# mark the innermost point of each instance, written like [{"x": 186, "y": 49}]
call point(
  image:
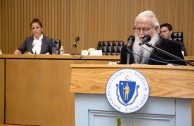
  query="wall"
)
[{"x": 91, "y": 20}]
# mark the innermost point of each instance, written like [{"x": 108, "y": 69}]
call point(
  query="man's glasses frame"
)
[{"x": 144, "y": 30}]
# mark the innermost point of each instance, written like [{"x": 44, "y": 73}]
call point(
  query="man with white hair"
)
[{"x": 146, "y": 23}]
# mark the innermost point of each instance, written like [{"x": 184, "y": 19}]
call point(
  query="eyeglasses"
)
[{"x": 144, "y": 30}]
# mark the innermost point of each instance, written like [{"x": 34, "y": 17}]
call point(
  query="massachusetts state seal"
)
[{"x": 127, "y": 90}]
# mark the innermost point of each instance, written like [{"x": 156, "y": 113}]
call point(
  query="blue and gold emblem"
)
[{"x": 127, "y": 90}]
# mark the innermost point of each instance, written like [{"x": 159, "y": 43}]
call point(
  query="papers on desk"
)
[{"x": 91, "y": 52}]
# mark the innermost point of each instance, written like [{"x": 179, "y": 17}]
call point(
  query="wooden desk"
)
[
  {"x": 16, "y": 125},
  {"x": 9, "y": 125},
  {"x": 37, "y": 88},
  {"x": 189, "y": 58}
]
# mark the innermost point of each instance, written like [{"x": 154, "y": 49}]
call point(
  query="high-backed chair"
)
[
  {"x": 57, "y": 43},
  {"x": 110, "y": 47},
  {"x": 177, "y": 36}
]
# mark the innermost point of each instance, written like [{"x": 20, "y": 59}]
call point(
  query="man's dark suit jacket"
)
[
  {"x": 169, "y": 46},
  {"x": 47, "y": 45}
]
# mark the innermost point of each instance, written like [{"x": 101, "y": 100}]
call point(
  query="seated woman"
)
[{"x": 37, "y": 43}]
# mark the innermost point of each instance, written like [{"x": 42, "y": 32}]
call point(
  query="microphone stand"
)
[
  {"x": 169, "y": 54},
  {"x": 128, "y": 57},
  {"x": 74, "y": 48},
  {"x": 131, "y": 39}
]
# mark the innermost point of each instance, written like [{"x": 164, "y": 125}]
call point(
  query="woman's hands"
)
[{"x": 17, "y": 51}]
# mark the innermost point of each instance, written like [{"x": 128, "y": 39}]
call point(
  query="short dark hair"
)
[
  {"x": 36, "y": 20},
  {"x": 169, "y": 26}
]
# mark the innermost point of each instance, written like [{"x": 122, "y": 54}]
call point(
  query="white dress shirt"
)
[{"x": 37, "y": 45}]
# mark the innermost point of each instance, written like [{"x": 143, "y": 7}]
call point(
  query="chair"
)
[
  {"x": 109, "y": 50},
  {"x": 110, "y": 47},
  {"x": 177, "y": 36},
  {"x": 57, "y": 43},
  {"x": 103, "y": 48},
  {"x": 114, "y": 50}
]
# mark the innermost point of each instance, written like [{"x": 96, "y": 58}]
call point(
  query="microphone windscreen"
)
[
  {"x": 77, "y": 39},
  {"x": 146, "y": 39},
  {"x": 131, "y": 37}
]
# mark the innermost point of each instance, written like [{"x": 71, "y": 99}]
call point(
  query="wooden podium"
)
[{"x": 169, "y": 104}]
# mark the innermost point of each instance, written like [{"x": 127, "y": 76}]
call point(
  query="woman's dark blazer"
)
[{"x": 47, "y": 45}]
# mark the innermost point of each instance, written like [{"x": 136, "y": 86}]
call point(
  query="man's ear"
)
[{"x": 157, "y": 28}]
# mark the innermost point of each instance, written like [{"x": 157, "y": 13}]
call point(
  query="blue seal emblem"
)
[{"x": 127, "y": 90}]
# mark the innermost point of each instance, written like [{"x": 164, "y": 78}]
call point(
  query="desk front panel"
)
[
  {"x": 2, "y": 83},
  {"x": 38, "y": 91}
]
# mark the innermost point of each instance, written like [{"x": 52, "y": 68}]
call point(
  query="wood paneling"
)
[
  {"x": 2, "y": 84},
  {"x": 91, "y": 20}
]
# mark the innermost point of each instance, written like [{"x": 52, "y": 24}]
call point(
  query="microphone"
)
[
  {"x": 131, "y": 39},
  {"x": 75, "y": 42},
  {"x": 74, "y": 48},
  {"x": 147, "y": 38}
]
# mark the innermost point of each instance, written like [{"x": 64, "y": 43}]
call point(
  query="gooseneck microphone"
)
[
  {"x": 131, "y": 39},
  {"x": 75, "y": 42},
  {"x": 74, "y": 48},
  {"x": 147, "y": 38}
]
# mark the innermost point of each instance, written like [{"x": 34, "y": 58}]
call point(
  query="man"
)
[
  {"x": 166, "y": 31},
  {"x": 146, "y": 23}
]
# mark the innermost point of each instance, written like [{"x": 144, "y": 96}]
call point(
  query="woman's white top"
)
[{"x": 37, "y": 45}]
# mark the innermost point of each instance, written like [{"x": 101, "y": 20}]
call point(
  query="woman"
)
[{"x": 37, "y": 43}]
